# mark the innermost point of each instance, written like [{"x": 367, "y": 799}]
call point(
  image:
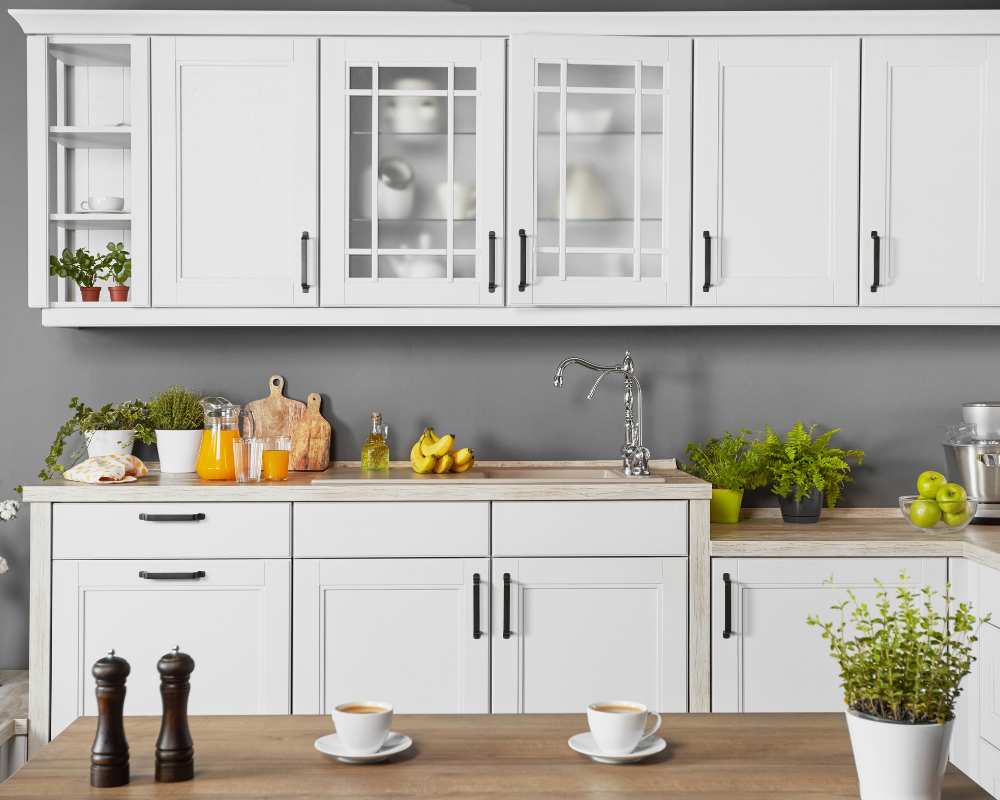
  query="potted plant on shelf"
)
[
  {"x": 116, "y": 266},
  {"x": 803, "y": 469},
  {"x": 176, "y": 416},
  {"x": 108, "y": 430},
  {"x": 731, "y": 464},
  {"x": 901, "y": 670},
  {"x": 80, "y": 266}
]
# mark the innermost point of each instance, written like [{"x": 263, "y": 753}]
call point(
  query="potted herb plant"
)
[
  {"x": 108, "y": 430},
  {"x": 116, "y": 266},
  {"x": 82, "y": 267},
  {"x": 901, "y": 668},
  {"x": 803, "y": 469},
  {"x": 176, "y": 415},
  {"x": 731, "y": 464}
]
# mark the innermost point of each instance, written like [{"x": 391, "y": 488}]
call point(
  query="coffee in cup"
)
[
  {"x": 619, "y": 725},
  {"x": 363, "y": 725}
]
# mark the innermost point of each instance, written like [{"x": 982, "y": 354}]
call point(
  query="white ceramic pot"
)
[
  {"x": 110, "y": 443},
  {"x": 178, "y": 450},
  {"x": 899, "y": 761}
]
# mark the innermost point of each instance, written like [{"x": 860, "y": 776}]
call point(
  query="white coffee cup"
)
[
  {"x": 619, "y": 725},
  {"x": 103, "y": 203},
  {"x": 363, "y": 725}
]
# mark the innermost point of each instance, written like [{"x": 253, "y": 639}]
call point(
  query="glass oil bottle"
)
[{"x": 375, "y": 450}]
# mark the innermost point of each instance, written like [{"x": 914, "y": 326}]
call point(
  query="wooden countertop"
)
[
  {"x": 750, "y": 756},
  {"x": 13, "y": 703}
]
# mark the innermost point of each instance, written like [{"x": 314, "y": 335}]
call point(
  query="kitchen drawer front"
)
[
  {"x": 591, "y": 528},
  {"x": 391, "y": 530},
  {"x": 171, "y": 530}
]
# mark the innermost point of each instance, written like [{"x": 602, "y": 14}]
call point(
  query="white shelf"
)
[
  {"x": 91, "y": 54},
  {"x": 89, "y": 220},
  {"x": 115, "y": 137}
]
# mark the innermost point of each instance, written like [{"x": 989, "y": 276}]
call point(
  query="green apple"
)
[
  {"x": 925, "y": 513},
  {"x": 928, "y": 483},
  {"x": 956, "y": 518},
  {"x": 951, "y": 498}
]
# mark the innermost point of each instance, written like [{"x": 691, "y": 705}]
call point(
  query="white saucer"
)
[
  {"x": 331, "y": 746},
  {"x": 584, "y": 743}
]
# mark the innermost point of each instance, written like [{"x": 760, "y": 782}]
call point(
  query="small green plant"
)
[
  {"x": 130, "y": 415},
  {"x": 175, "y": 409},
  {"x": 115, "y": 264},
  {"x": 82, "y": 267},
  {"x": 801, "y": 462},
  {"x": 902, "y": 663},
  {"x": 727, "y": 463}
]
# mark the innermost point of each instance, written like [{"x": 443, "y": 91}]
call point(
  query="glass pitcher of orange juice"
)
[{"x": 216, "y": 457}]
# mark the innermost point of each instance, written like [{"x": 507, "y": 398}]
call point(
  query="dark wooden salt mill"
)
[
  {"x": 109, "y": 755},
  {"x": 174, "y": 748}
]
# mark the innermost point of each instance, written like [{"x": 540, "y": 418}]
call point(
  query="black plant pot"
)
[{"x": 802, "y": 511}]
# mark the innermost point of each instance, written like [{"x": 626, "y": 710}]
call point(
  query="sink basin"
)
[{"x": 495, "y": 475}]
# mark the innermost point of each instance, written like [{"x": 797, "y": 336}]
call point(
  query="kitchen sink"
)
[{"x": 492, "y": 475}]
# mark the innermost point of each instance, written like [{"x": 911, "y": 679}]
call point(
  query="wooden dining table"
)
[{"x": 475, "y": 756}]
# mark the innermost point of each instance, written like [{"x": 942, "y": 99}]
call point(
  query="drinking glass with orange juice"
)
[{"x": 274, "y": 461}]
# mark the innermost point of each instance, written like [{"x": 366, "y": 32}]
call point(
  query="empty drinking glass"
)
[{"x": 247, "y": 459}]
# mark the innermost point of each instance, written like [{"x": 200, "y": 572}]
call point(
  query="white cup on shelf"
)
[{"x": 103, "y": 203}]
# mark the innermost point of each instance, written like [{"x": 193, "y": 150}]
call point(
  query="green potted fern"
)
[{"x": 732, "y": 465}]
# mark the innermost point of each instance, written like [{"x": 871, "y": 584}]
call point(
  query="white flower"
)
[
  {"x": 8, "y": 509},
  {"x": 3, "y": 566}
]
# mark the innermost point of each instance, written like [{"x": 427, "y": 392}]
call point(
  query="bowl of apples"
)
[{"x": 938, "y": 506}]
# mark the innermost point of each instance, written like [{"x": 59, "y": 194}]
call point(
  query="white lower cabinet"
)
[
  {"x": 230, "y": 615},
  {"x": 569, "y": 631},
  {"x": 764, "y": 655}
]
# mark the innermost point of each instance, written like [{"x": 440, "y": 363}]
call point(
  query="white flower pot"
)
[
  {"x": 899, "y": 761},
  {"x": 110, "y": 443},
  {"x": 178, "y": 450}
]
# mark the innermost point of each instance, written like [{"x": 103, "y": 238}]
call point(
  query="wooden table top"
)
[{"x": 749, "y": 756}]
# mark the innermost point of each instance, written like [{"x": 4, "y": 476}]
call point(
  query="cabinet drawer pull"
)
[
  {"x": 476, "y": 631},
  {"x": 506, "y": 605},
  {"x": 876, "y": 268},
  {"x": 707, "y": 237},
  {"x": 172, "y": 576},
  {"x": 524, "y": 260},
  {"x": 727, "y": 625},
  {"x": 492, "y": 287},
  {"x": 305, "y": 262},
  {"x": 172, "y": 517}
]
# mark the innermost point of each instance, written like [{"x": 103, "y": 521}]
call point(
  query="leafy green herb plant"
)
[
  {"x": 82, "y": 267},
  {"x": 727, "y": 463},
  {"x": 116, "y": 264},
  {"x": 902, "y": 661},
  {"x": 175, "y": 409},
  {"x": 801, "y": 461}
]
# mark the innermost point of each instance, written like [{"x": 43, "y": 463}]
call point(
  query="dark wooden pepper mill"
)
[
  {"x": 174, "y": 748},
  {"x": 109, "y": 755}
]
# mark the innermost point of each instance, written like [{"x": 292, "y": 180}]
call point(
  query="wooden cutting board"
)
[
  {"x": 311, "y": 439},
  {"x": 276, "y": 414}
]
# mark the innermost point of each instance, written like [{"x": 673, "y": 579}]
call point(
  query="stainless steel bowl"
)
[
  {"x": 985, "y": 416},
  {"x": 976, "y": 466}
]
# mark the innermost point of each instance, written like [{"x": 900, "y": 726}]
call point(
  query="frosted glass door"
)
[
  {"x": 599, "y": 171},
  {"x": 413, "y": 172}
]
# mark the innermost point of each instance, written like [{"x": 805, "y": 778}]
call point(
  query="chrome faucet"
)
[{"x": 635, "y": 457}]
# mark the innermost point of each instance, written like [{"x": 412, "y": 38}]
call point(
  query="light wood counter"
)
[{"x": 750, "y": 756}]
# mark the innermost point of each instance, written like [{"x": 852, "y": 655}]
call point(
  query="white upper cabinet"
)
[
  {"x": 418, "y": 125},
  {"x": 234, "y": 175},
  {"x": 776, "y": 171},
  {"x": 599, "y": 171},
  {"x": 930, "y": 171}
]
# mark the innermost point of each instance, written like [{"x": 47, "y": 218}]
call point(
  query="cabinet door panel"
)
[
  {"x": 585, "y": 629},
  {"x": 776, "y": 171},
  {"x": 235, "y": 160},
  {"x": 930, "y": 177},
  {"x": 989, "y": 670}
]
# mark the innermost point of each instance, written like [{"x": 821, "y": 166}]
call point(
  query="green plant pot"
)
[{"x": 726, "y": 505}]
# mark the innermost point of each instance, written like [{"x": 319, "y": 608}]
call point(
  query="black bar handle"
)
[
  {"x": 524, "y": 260},
  {"x": 305, "y": 262},
  {"x": 727, "y": 626},
  {"x": 477, "y": 632},
  {"x": 172, "y": 576},
  {"x": 172, "y": 517},
  {"x": 876, "y": 248},
  {"x": 492, "y": 287},
  {"x": 707, "y": 237},
  {"x": 506, "y": 605}
]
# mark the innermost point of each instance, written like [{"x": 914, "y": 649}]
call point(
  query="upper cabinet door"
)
[
  {"x": 930, "y": 144},
  {"x": 416, "y": 124},
  {"x": 599, "y": 171},
  {"x": 776, "y": 171},
  {"x": 234, "y": 152}
]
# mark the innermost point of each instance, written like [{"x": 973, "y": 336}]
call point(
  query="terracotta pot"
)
[
  {"x": 90, "y": 294},
  {"x": 119, "y": 294}
]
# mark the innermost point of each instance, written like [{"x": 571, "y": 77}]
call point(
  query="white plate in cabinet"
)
[
  {"x": 569, "y": 631},
  {"x": 233, "y": 620},
  {"x": 590, "y": 528},
  {"x": 775, "y": 171},
  {"x": 171, "y": 530},
  {"x": 930, "y": 179},
  {"x": 234, "y": 163},
  {"x": 400, "y": 630},
  {"x": 764, "y": 656},
  {"x": 391, "y": 530}
]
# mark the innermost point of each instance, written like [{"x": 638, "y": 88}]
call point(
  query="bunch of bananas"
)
[{"x": 433, "y": 453}]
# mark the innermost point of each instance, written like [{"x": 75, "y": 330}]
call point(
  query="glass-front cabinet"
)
[
  {"x": 599, "y": 171},
  {"x": 412, "y": 173}
]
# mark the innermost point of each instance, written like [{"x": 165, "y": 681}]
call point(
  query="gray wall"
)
[{"x": 892, "y": 390}]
